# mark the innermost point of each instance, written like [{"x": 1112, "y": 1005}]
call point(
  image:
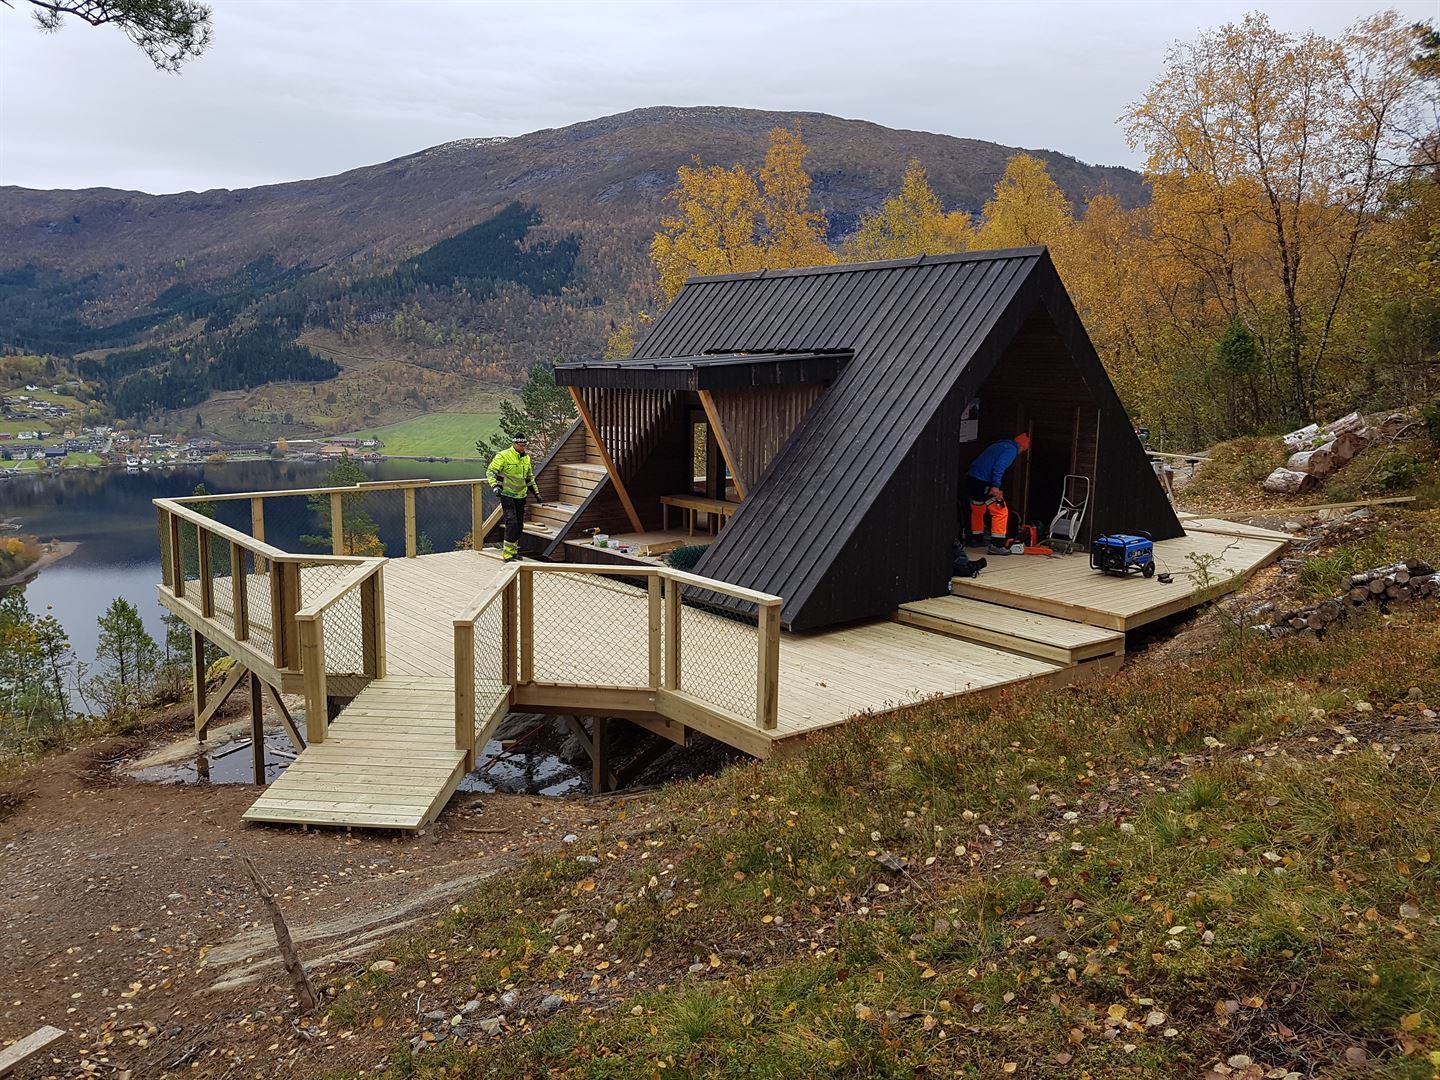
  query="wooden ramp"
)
[
  {"x": 1044, "y": 637},
  {"x": 388, "y": 762}
]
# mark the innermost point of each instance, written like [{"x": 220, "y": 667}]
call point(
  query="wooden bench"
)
[{"x": 694, "y": 505}]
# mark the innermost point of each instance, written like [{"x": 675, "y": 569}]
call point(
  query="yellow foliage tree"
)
[
  {"x": 729, "y": 222},
  {"x": 910, "y": 223},
  {"x": 1028, "y": 208}
]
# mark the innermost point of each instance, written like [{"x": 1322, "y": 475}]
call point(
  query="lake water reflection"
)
[{"x": 110, "y": 514}]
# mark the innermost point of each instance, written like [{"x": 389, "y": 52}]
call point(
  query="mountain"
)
[{"x": 100, "y": 268}]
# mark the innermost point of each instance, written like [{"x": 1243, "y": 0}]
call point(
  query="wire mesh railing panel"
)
[
  {"x": 590, "y": 630},
  {"x": 371, "y": 522},
  {"x": 490, "y": 685},
  {"x": 257, "y": 584},
  {"x": 316, "y": 578},
  {"x": 718, "y": 660},
  {"x": 343, "y": 629},
  {"x": 291, "y": 523},
  {"x": 190, "y": 562},
  {"x": 218, "y": 565},
  {"x": 162, "y": 517},
  {"x": 442, "y": 518}
]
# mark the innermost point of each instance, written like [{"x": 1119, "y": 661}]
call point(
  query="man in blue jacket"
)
[{"x": 984, "y": 487}]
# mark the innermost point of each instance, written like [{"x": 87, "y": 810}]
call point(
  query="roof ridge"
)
[{"x": 991, "y": 255}]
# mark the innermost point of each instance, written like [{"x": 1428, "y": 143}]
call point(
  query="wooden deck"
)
[
  {"x": 1067, "y": 588},
  {"x": 390, "y": 758}
]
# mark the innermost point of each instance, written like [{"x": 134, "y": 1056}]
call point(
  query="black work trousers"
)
[{"x": 514, "y": 517}]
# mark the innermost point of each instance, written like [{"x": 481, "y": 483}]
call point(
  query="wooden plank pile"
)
[
  {"x": 1317, "y": 451},
  {"x": 1384, "y": 585}
]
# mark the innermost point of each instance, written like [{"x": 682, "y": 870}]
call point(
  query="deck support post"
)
[
  {"x": 372, "y": 625},
  {"x": 671, "y": 634},
  {"x": 600, "y": 778},
  {"x": 177, "y": 552},
  {"x": 465, "y": 691},
  {"x": 286, "y": 595},
  {"x": 197, "y": 682},
  {"x": 510, "y": 635},
  {"x": 239, "y": 593},
  {"x": 527, "y": 624},
  {"x": 411, "y": 545},
  {"x": 767, "y": 688},
  {"x": 337, "y": 523},
  {"x": 312, "y": 665},
  {"x": 656, "y": 630},
  {"x": 207, "y": 584},
  {"x": 477, "y": 517},
  {"x": 257, "y": 728}
]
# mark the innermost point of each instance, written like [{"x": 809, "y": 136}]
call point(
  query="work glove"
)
[{"x": 497, "y": 490}]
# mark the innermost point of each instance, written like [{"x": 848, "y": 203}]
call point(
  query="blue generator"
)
[{"x": 1123, "y": 553}]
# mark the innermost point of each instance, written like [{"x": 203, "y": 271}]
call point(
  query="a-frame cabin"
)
[{"x": 831, "y": 400}]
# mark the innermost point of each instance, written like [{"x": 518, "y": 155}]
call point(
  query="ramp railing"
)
[{"x": 577, "y": 638}]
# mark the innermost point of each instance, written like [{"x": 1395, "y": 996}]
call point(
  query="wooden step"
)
[
  {"x": 552, "y": 514},
  {"x": 1041, "y": 636},
  {"x": 587, "y": 471}
]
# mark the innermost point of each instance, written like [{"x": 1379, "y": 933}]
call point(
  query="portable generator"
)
[{"x": 1123, "y": 553}]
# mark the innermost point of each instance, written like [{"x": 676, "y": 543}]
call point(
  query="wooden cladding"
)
[
  {"x": 629, "y": 424},
  {"x": 753, "y": 424}
]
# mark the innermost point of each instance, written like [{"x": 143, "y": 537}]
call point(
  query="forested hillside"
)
[{"x": 451, "y": 270}]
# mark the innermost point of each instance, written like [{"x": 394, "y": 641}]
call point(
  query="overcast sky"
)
[{"x": 300, "y": 88}]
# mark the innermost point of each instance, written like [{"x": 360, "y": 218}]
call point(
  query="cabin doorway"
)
[{"x": 709, "y": 474}]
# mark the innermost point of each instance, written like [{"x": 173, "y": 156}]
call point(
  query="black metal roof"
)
[
  {"x": 918, "y": 329},
  {"x": 707, "y": 371}
]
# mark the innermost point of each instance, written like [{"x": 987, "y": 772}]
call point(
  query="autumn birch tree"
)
[
  {"x": 912, "y": 222},
  {"x": 1269, "y": 154},
  {"x": 729, "y": 221}
]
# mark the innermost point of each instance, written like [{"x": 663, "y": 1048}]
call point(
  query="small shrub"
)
[
  {"x": 1400, "y": 470},
  {"x": 685, "y": 558},
  {"x": 1431, "y": 415}
]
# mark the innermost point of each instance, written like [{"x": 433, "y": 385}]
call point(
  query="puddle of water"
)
[
  {"x": 521, "y": 773},
  {"x": 224, "y": 763},
  {"x": 517, "y": 773}
]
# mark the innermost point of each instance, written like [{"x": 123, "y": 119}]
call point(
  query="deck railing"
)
[
  {"x": 584, "y": 639},
  {"x": 485, "y": 662},
  {"x": 417, "y": 516},
  {"x": 267, "y": 607}
]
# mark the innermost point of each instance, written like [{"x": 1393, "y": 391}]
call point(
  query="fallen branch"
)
[{"x": 296, "y": 970}]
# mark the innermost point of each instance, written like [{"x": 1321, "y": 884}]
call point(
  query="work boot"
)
[{"x": 997, "y": 549}]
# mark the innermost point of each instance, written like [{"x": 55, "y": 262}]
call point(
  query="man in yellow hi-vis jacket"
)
[{"x": 512, "y": 477}]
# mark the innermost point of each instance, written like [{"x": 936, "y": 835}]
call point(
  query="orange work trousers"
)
[{"x": 999, "y": 515}]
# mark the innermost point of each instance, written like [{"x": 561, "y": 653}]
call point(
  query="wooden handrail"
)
[
  {"x": 366, "y": 486},
  {"x": 338, "y": 590},
  {"x": 496, "y": 588}
]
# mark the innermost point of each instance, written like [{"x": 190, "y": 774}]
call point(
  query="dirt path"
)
[{"x": 128, "y": 919}]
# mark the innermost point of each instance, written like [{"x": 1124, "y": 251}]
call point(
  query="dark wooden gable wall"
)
[
  {"x": 858, "y": 507},
  {"x": 757, "y": 422}
]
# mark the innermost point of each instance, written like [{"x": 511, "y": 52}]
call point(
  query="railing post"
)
[
  {"x": 257, "y": 530},
  {"x": 410, "y": 542},
  {"x": 177, "y": 558},
  {"x": 510, "y": 634},
  {"x": 207, "y": 586},
  {"x": 477, "y": 516},
  {"x": 656, "y": 630},
  {"x": 767, "y": 681},
  {"x": 672, "y": 633},
  {"x": 239, "y": 593},
  {"x": 372, "y": 623},
  {"x": 312, "y": 664},
  {"x": 337, "y": 523},
  {"x": 465, "y": 691},
  {"x": 285, "y": 595},
  {"x": 527, "y": 624}
]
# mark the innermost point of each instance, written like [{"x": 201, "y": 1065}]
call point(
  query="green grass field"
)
[{"x": 434, "y": 435}]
